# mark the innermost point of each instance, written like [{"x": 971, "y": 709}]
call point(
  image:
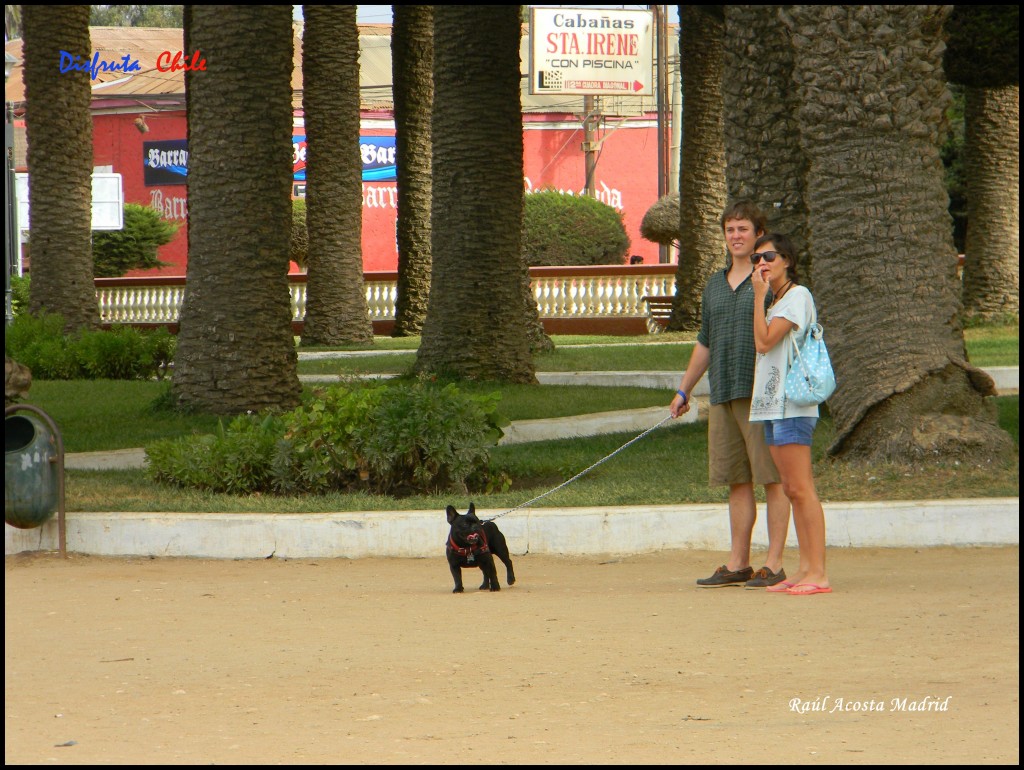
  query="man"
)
[{"x": 737, "y": 453}]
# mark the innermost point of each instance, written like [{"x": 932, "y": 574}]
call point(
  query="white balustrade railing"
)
[{"x": 614, "y": 292}]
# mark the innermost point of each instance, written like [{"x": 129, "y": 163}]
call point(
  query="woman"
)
[{"x": 787, "y": 428}]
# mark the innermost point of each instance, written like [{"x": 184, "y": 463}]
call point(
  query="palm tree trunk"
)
[
  {"x": 412, "y": 62},
  {"x": 701, "y": 169},
  {"x": 336, "y": 309},
  {"x": 235, "y": 348},
  {"x": 59, "y": 137},
  {"x": 992, "y": 252},
  {"x": 765, "y": 162},
  {"x": 477, "y": 325},
  {"x": 873, "y": 98}
]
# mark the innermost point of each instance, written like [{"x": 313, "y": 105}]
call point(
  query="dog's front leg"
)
[{"x": 456, "y": 575}]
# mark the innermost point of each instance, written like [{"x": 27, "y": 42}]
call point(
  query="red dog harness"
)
[{"x": 468, "y": 552}]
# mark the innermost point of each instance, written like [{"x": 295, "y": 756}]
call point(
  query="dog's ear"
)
[
  {"x": 472, "y": 509},
  {"x": 451, "y": 512}
]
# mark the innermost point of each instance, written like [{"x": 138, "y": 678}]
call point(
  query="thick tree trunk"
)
[
  {"x": 992, "y": 252},
  {"x": 336, "y": 309},
  {"x": 412, "y": 61},
  {"x": 59, "y": 136},
  {"x": 873, "y": 99},
  {"x": 235, "y": 349},
  {"x": 476, "y": 325},
  {"x": 764, "y": 160},
  {"x": 702, "y": 165}
]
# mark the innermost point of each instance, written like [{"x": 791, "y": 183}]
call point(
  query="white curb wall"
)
[{"x": 551, "y": 531}]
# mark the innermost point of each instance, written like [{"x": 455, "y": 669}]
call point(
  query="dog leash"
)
[{"x": 584, "y": 472}]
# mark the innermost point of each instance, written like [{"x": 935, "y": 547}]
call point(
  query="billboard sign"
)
[
  {"x": 603, "y": 52},
  {"x": 376, "y": 152},
  {"x": 165, "y": 162}
]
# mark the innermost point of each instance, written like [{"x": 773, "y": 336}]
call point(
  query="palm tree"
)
[
  {"x": 59, "y": 137},
  {"x": 336, "y": 309},
  {"x": 701, "y": 179},
  {"x": 412, "y": 61},
  {"x": 765, "y": 162},
  {"x": 984, "y": 56},
  {"x": 235, "y": 348},
  {"x": 873, "y": 97},
  {"x": 477, "y": 324}
]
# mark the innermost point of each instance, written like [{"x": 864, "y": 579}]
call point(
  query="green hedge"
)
[
  {"x": 382, "y": 438},
  {"x": 561, "y": 229},
  {"x": 120, "y": 353}
]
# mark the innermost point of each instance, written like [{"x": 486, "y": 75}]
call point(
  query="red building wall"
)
[{"x": 626, "y": 178}]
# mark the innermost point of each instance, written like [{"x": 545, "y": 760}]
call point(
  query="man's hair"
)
[{"x": 745, "y": 209}]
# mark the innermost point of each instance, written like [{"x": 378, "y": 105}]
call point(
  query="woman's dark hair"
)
[{"x": 785, "y": 247}]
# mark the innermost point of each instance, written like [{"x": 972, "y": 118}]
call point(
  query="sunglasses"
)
[{"x": 767, "y": 256}]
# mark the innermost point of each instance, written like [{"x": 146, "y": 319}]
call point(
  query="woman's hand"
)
[{"x": 758, "y": 279}]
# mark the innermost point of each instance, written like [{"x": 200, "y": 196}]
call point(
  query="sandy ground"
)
[{"x": 913, "y": 659}]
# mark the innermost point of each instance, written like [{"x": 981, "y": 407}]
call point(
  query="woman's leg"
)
[{"x": 794, "y": 464}]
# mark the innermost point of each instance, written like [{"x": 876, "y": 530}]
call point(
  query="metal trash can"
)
[{"x": 33, "y": 470}]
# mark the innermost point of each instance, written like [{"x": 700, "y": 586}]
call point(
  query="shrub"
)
[
  {"x": 39, "y": 343},
  {"x": 134, "y": 247},
  {"x": 122, "y": 353},
  {"x": 561, "y": 229},
  {"x": 19, "y": 293},
  {"x": 386, "y": 439},
  {"x": 236, "y": 460}
]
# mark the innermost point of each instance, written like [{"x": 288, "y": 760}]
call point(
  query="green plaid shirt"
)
[{"x": 727, "y": 331}]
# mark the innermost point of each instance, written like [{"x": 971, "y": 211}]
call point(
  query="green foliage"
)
[
  {"x": 136, "y": 16},
  {"x": 386, "y": 439},
  {"x": 561, "y": 229},
  {"x": 19, "y": 293},
  {"x": 122, "y": 353},
  {"x": 39, "y": 343},
  {"x": 134, "y": 247},
  {"x": 236, "y": 460},
  {"x": 300, "y": 235},
  {"x": 983, "y": 45}
]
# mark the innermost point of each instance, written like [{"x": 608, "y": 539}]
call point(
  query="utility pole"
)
[
  {"x": 661, "y": 41},
  {"x": 11, "y": 235},
  {"x": 590, "y": 143}
]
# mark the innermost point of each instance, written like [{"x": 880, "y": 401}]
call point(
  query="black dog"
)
[{"x": 474, "y": 543}]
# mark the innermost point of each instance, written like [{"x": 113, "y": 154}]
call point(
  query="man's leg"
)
[
  {"x": 742, "y": 515},
  {"x": 728, "y": 466},
  {"x": 764, "y": 472}
]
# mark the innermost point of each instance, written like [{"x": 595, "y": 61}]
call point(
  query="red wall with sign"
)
[
  {"x": 626, "y": 178},
  {"x": 117, "y": 143}
]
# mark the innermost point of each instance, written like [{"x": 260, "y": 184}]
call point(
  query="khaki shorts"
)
[{"x": 737, "y": 452}]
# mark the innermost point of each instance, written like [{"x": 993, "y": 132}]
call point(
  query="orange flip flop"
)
[
  {"x": 780, "y": 588},
  {"x": 810, "y": 588}
]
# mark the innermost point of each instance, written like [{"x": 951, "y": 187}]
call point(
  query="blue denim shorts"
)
[{"x": 792, "y": 430}]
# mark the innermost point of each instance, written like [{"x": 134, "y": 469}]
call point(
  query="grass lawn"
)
[{"x": 668, "y": 466}]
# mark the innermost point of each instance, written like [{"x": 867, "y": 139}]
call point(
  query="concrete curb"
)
[
  {"x": 551, "y": 531},
  {"x": 625, "y": 421}
]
